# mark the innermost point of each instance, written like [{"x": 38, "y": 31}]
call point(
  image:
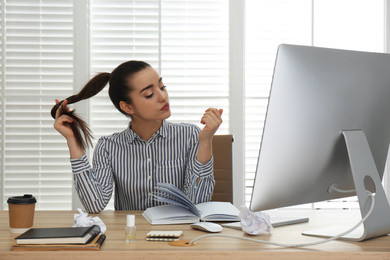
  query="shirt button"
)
[{"x": 149, "y": 178}]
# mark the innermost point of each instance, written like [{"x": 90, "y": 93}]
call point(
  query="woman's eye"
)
[
  {"x": 163, "y": 87},
  {"x": 149, "y": 96}
]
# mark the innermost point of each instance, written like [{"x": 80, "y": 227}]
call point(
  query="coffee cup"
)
[{"x": 21, "y": 213}]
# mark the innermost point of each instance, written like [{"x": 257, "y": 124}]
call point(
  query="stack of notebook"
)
[{"x": 68, "y": 238}]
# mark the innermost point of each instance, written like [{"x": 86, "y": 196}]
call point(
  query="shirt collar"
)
[{"x": 160, "y": 132}]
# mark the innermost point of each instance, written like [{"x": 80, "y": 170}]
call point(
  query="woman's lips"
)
[{"x": 165, "y": 107}]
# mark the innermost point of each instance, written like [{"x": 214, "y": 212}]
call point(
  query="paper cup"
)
[{"x": 21, "y": 213}]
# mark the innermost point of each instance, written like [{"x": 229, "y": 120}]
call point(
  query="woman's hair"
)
[{"x": 119, "y": 90}]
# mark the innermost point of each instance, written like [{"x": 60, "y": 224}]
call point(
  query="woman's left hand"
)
[{"x": 212, "y": 120}]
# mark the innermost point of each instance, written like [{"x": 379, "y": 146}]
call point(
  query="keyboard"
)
[{"x": 276, "y": 221}]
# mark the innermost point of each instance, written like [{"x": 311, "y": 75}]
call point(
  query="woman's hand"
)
[
  {"x": 212, "y": 120},
  {"x": 62, "y": 125},
  {"x": 62, "y": 122}
]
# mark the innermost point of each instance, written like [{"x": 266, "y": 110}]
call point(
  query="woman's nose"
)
[{"x": 163, "y": 95}]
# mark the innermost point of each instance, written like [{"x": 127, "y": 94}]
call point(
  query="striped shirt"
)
[{"x": 134, "y": 167}]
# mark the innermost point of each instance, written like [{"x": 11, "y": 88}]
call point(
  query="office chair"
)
[{"x": 223, "y": 168}]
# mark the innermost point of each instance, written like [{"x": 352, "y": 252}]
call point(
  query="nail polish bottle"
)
[{"x": 130, "y": 229}]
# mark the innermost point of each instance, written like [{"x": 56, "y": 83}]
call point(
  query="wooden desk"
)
[{"x": 208, "y": 248}]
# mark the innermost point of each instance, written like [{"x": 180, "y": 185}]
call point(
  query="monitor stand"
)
[{"x": 363, "y": 171}]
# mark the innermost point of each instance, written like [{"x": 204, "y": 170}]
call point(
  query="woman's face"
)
[{"x": 149, "y": 96}]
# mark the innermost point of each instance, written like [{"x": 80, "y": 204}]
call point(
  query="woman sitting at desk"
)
[{"x": 149, "y": 151}]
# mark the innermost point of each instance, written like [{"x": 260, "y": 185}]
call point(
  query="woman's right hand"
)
[
  {"x": 62, "y": 122},
  {"x": 62, "y": 125}
]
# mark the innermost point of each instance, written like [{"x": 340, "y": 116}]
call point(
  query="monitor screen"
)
[{"x": 318, "y": 94}]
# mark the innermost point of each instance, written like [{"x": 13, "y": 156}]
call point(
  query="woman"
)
[{"x": 149, "y": 151}]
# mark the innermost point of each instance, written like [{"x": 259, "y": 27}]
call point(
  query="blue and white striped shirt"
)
[{"x": 135, "y": 166}]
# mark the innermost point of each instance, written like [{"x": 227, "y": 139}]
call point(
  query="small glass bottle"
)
[{"x": 130, "y": 229}]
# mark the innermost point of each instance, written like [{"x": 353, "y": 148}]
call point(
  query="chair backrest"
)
[{"x": 223, "y": 168}]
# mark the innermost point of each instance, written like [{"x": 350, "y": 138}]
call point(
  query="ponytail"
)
[
  {"x": 119, "y": 90},
  {"x": 79, "y": 127}
]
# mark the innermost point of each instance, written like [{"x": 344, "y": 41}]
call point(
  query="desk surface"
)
[{"x": 210, "y": 248}]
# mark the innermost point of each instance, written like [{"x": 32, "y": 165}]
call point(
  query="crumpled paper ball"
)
[
  {"x": 255, "y": 223},
  {"x": 83, "y": 220}
]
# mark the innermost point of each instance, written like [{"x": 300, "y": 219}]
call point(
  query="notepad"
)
[{"x": 164, "y": 235}]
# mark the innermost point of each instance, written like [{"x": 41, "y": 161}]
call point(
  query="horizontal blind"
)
[
  {"x": 38, "y": 67},
  {"x": 355, "y": 24},
  {"x": 120, "y": 31},
  {"x": 186, "y": 41},
  {"x": 195, "y": 58},
  {"x": 269, "y": 23},
  {"x": 347, "y": 30}
]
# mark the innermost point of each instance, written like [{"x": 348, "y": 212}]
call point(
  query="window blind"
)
[
  {"x": 269, "y": 23},
  {"x": 353, "y": 33},
  {"x": 195, "y": 58},
  {"x": 186, "y": 41},
  {"x": 37, "y": 64},
  {"x": 120, "y": 31}
]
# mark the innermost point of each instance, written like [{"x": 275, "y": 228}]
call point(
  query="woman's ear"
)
[{"x": 127, "y": 108}]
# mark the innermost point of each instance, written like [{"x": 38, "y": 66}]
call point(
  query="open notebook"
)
[{"x": 179, "y": 209}]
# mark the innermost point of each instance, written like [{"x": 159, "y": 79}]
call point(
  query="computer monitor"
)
[{"x": 327, "y": 123}]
